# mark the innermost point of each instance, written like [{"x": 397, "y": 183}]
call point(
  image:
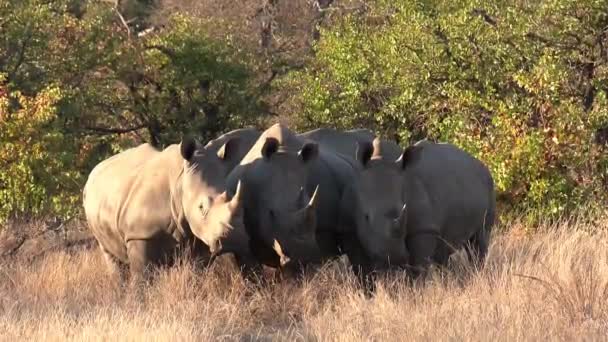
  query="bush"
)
[
  {"x": 78, "y": 85},
  {"x": 520, "y": 85}
]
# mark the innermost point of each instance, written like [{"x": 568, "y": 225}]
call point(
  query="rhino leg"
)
[
  {"x": 143, "y": 255},
  {"x": 198, "y": 253},
  {"x": 477, "y": 247},
  {"x": 115, "y": 266},
  {"x": 366, "y": 277},
  {"x": 423, "y": 250},
  {"x": 360, "y": 264},
  {"x": 250, "y": 269}
]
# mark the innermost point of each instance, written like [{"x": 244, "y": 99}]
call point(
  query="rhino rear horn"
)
[
  {"x": 229, "y": 149},
  {"x": 237, "y": 199},
  {"x": 364, "y": 152}
]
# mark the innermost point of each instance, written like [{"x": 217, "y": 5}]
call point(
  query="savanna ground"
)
[{"x": 549, "y": 285}]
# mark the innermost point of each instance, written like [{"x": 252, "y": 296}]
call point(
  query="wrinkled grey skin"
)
[
  {"x": 144, "y": 205},
  {"x": 291, "y": 191},
  {"x": 418, "y": 209}
]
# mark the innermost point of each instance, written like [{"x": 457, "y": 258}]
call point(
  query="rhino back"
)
[
  {"x": 450, "y": 189},
  {"x": 343, "y": 142}
]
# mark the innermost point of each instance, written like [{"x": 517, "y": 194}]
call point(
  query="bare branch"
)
[
  {"x": 124, "y": 22},
  {"x": 105, "y": 130},
  {"x": 167, "y": 51},
  {"x": 21, "y": 57},
  {"x": 484, "y": 14}
]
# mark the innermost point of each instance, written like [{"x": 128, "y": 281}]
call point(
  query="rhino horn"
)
[
  {"x": 284, "y": 259},
  {"x": 400, "y": 223},
  {"x": 306, "y": 217},
  {"x": 229, "y": 149},
  {"x": 313, "y": 199},
  {"x": 377, "y": 148},
  {"x": 236, "y": 201}
]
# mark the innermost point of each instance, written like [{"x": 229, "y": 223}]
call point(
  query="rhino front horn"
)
[
  {"x": 283, "y": 259},
  {"x": 313, "y": 199},
  {"x": 235, "y": 202},
  {"x": 399, "y": 228}
]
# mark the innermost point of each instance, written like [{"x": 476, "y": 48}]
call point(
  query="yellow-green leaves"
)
[
  {"x": 521, "y": 85},
  {"x": 33, "y": 175}
]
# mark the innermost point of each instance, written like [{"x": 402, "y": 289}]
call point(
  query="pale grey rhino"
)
[
  {"x": 416, "y": 210},
  {"x": 291, "y": 191},
  {"x": 144, "y": 205}
]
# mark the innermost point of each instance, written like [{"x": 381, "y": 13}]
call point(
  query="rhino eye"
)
[{"x": 367, "y": 217}]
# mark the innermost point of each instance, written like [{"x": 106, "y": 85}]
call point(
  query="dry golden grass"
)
[{"x": 551, "y": 285}]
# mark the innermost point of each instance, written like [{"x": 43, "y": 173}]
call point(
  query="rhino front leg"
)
[
  {"x": 250, "y": 269},
  {"x": 423, "y": 249},
  {"x": 477, "y": 247},
  {"x": 115, "y": 266},
  {"x": 140, "y": 254}
]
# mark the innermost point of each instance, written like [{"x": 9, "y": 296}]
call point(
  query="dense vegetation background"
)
[{"x": 520, "y": 84}]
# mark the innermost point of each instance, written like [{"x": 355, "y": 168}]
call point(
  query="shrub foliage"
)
[{"x": 522, "y": 85}]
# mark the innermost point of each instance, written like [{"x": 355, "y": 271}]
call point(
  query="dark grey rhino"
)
[
  {"x": 418, "y": 209},
  {"x": 143, "y": 205},
  {"x": 291, "y": 191}
]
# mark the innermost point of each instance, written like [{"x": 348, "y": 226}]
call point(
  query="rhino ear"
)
[
  {"x": 187, "y": 147},
  {"x": 309, "y": 152},
  {"x": 365, "y": 149},
  {"x": 409, "y": 155},
  {"x": 271, "y": 146},
  {"x": 229, "y": 149}
]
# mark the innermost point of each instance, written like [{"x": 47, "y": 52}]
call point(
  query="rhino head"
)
[
  {"x": 280, "y": 208},
  {"x": 381, "y": 217},
  {"x": 212, "y": 216}
]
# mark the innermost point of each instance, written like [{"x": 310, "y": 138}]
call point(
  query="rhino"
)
[
  {"x": 291, "y": 192},
  {"x": 417, "y": 209},
  {"x": 144, "y": 205}
]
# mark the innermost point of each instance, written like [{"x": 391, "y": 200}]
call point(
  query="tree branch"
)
[
  {"x": 167, "y": 51},
  {"x": 124, "y": 22},
  {"x": 21, "y": 57},
  {"x": 105, "y": 130}
]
